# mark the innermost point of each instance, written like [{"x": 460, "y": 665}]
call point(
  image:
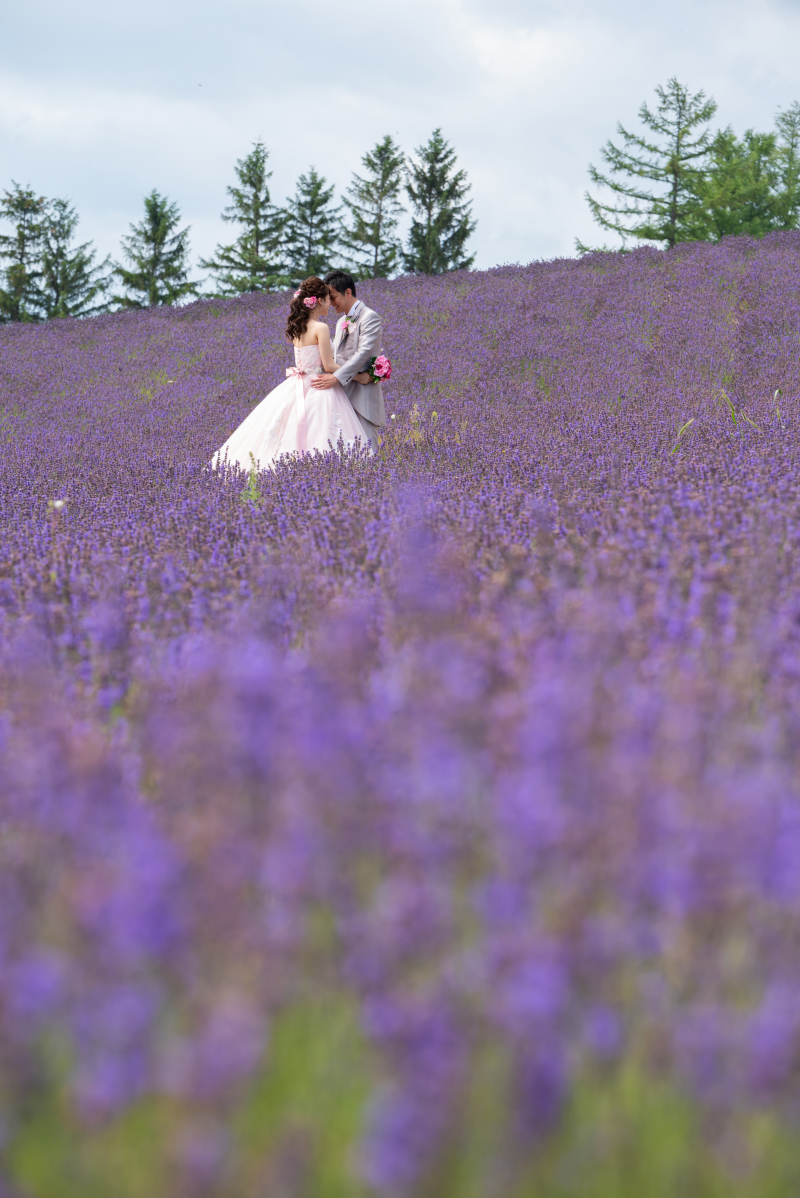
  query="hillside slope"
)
[{"x": 424, "y": 824}]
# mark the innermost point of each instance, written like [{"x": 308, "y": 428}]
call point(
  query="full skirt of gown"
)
[{"x": 293, "y": 419}]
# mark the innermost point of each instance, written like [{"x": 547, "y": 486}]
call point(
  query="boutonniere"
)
[{"x": 347, "y": 324}]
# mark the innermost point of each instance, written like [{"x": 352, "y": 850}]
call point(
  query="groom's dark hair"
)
[{"x": 340, "y": 280}]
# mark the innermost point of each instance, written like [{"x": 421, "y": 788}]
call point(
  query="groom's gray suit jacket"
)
[{"x": 354, "y": 350}]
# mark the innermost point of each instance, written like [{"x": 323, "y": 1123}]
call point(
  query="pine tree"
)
[
  {"x": 441, "y": 224},
  {"x": 253, "y": 262},
  {"x": 753, "y": 184},
  {"x": 738, "y": 193},
  {"x": 373, "y": 209},
  {"x": 312, "y": 229},
  {"x": 788, "y": 155},
  {"x": 674, "y": 161},
  {"x": 159, "y": 253},
  {"x": 70, "y": 282},
  {"x": 20, "y": 252}
]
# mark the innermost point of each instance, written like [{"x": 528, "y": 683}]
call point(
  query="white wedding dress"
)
[{"x": 294, "y": 418}]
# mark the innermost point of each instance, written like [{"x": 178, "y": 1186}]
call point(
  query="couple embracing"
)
[{"x": 332, "y": 392}]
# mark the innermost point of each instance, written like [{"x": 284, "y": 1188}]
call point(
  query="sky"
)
[{"x": 102, "y": 101}]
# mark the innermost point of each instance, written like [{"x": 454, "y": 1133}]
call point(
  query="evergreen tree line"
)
[
  {"x": 680, "y": 180},
  {"x": 44, "y": 273}
]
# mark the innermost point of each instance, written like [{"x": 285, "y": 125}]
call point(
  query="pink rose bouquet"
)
[{"x": 380, "y": 369}]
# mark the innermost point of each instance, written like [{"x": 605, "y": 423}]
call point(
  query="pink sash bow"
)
[{"x": 297, "y": 373}]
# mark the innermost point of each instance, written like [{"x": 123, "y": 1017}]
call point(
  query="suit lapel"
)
[{"x": 359, "y": 308}]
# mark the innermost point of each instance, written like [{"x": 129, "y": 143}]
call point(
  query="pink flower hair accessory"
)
[
  {"x": 310, "y": 301},
  {"x": 296, "y": 293}
]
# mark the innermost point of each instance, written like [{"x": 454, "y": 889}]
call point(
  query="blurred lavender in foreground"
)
[{"x": 419, "y": 825}]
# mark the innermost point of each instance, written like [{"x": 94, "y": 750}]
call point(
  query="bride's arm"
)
[
  {"x": 326, "y": 354},
  {"x": 325, "y": 350}
]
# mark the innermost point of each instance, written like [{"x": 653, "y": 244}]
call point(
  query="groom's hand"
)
[{"x": 322, "y": 381}]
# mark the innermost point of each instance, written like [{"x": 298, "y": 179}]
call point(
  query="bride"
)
[{"x": 295, "y": 417}]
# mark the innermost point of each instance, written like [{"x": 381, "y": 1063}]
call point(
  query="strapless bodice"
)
[{"x": 307, "y": 357}]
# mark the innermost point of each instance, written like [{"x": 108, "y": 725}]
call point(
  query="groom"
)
[{"x": 358, "y": 338}]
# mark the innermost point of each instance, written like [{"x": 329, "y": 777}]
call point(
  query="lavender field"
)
[{"x": 425, "y": 825}]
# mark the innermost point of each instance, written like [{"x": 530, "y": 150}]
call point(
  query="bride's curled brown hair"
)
[{"x": 299, "y": 312}]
